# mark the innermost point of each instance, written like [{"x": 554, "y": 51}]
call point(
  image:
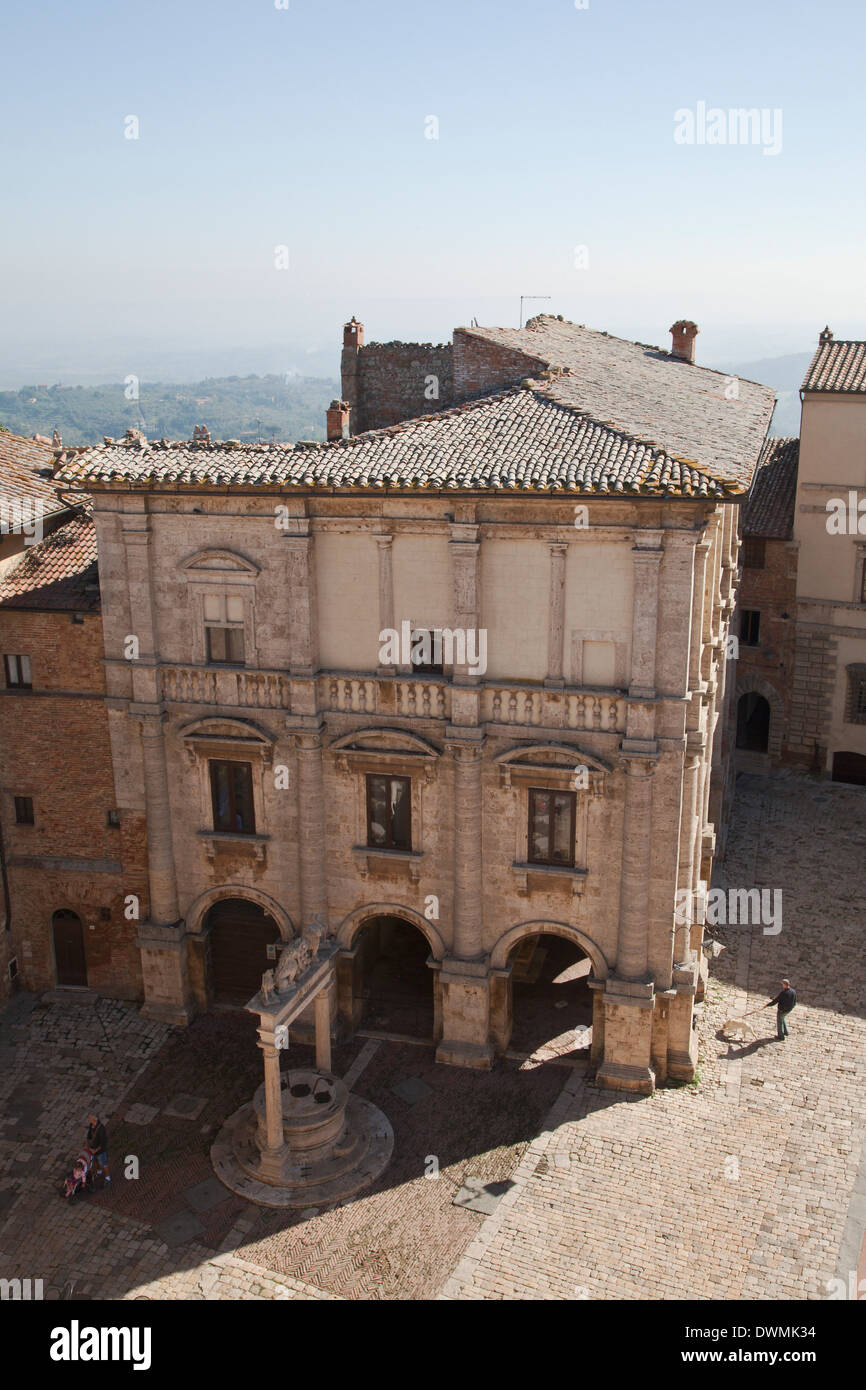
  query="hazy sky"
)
[{"x": 307, "y": 127}]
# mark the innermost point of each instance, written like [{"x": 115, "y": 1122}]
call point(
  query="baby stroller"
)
[{"x": 81, "y": 1177}]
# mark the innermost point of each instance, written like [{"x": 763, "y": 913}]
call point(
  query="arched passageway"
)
[
  {"x": 753, "y": 723},
  {"x": 239, "y": 933},
  {"x": 70, "y": 959},
  {"x": 551, "y": 1002},
  {"x": 392, "y": 985}
]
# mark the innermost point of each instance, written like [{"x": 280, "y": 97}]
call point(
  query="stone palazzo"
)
[{"x": 572, "y": 781}]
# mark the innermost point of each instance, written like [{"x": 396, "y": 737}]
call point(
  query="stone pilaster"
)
[
  {"x": 631, "y": 953},
  {"x": 646, "y": 559},
  {"x": 466, "y": 580},
  {"x": 161, "y": 941},
  {"x": 556, "y": 614},
  {"x": 162, "y": 882},
  {"x": 385, "y": 544},
  {"x": 311, "y": 825},
  {"x": 465, "y": 978}
]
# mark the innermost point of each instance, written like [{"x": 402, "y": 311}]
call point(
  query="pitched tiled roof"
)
[
  {"x": 59, "y": 572},
  {"x": 517, "y": 440},
  {"x": 769, "y": 511},
  {"x": 689, "y": 411},
  {"x": 26, "y": 466},
  {"x": 837, "y": 366}
]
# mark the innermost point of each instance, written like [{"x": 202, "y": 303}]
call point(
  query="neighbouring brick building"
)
[
  {"x": 767, "y": 609},
  {"x": 69, "y": 857},
  {"x": 571, "y": 505}
]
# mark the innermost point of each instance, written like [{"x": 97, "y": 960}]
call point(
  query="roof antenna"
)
[{"x": 531, "y": 296}]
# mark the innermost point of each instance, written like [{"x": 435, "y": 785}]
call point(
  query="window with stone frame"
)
[
  {"x": 389, "y": 812},
  {"x": 232, "y": 797},
  {"x": 552, "y": 818},
  {"x": 224, "y": 629},
  {"x": 754, "y": 552},
  {"x": 17, "y": 669},
  {"x": 855, "y": 705}
]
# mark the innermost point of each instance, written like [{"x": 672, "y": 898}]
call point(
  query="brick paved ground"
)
[{"x": 739, "y": 1187}]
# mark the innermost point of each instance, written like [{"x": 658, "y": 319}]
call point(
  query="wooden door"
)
[
  {"x": 240, "y": 933},
  {"x": 69, "y": 958}
]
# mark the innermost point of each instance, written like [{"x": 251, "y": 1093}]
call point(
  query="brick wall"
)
[
  {"x": 481, "y": 367},
  {"x": 54, "y": 748},
  {"x": 385, "y": 383},
  {"x": 772, "y": 592}
]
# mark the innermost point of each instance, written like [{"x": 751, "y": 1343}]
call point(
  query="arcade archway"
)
[
  {"x": 239, "y": 933},
  {"x": 551, "y": 1002},
  {"x": 386, "y": 984}
]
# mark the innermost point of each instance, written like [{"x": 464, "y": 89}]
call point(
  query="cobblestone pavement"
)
[{"x": 738, "y": 1187}]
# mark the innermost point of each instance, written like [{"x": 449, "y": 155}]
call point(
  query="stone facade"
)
[
  {"x": 313, "y": 711},
  {"x": 830, "y": 531}
]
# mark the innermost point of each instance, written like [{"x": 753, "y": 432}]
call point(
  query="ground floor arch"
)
[
  {"x": 753, "y": 722},
  {"x": 70, "y": 956},
  {"x": 242, "y": 942},
  {"x": 385, "y": 982},
  {"x": 849, "y": 767},
  {"x": 540, "y": 996}
]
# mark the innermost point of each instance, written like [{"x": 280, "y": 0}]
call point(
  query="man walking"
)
[
  {"x": 784, "y": 1002},
  {"x": 97, "y": 1142}
]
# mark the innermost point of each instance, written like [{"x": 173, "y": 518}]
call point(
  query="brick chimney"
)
[
  {"x": 683, "y": 334},
  {"x": 337, "y": 417},
  {"x": 353, "y": 333},
  {"x": 350, "y": 373}
]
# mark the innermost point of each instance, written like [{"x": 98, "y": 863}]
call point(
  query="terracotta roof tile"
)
[
  {"x": 648, "y": 394},
  {"x": 58, "y": 573},
  {"x": 522, "y": 439},
  {"x": 837, "y": 366},
  {"x": 26, "y": 466},
  {"x": 769, "y": 511}
]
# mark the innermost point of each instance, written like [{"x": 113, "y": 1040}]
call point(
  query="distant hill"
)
[
  {"x": 784, "y": 374},
  {"x": 282, "y": 408}
]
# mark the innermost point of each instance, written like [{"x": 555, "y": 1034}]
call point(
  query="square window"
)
[
  {"x": 213, "y": 608},
  {"x": 24, "y": 810},
  {"x": 232, "y": 796},
  {"x": 389, "y": 812},
  {"x": 234, "y": 609},
  {"x": 113, "y": 818},
  {"x": 551, "y": 827}
]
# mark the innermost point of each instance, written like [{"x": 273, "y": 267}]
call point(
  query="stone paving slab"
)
[
  {"x": 717, "y": 1191},
  {"x": 746, "y": 1185}
]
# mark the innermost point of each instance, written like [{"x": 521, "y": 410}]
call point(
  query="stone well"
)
[{"x": 334, "y": 1144}]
